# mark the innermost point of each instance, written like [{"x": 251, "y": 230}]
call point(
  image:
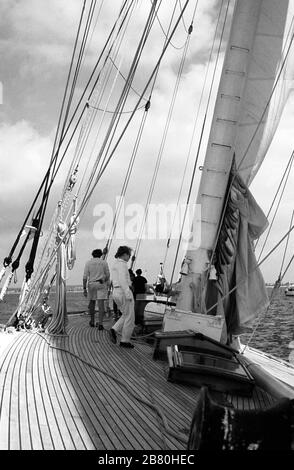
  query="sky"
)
[{"x": 36, "y": 43}]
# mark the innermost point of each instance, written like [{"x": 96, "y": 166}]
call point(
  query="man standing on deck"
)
[
  {"x": 96, "y": 275},
  {"x": 139, "y": 283},
  {"x": 123, "y": 297}
]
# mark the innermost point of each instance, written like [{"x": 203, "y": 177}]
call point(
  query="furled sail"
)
[
  {"x": 249, "y": 104},
  {"x": 239, "y": 288}
]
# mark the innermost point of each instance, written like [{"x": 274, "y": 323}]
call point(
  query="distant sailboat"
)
[{"x": 289, "y": 291}]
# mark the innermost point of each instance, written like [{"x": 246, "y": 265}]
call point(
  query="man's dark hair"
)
[
  {"x": 122, "y": 250},
  {"x": 139, "y": 272},
  {"x": 97, "y": 253}
]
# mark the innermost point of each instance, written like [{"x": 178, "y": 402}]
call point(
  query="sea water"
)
[{"x": 274, "y": 329}]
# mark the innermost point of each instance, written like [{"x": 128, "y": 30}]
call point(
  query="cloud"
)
[{"x": 24, "y": 156}]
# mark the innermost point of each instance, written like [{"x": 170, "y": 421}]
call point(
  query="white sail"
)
[
  {"x": 245, "y": 88},
  {"x": 268, "y": 84}
]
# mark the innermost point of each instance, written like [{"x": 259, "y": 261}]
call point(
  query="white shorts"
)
[{"x": 97, "y": 291}]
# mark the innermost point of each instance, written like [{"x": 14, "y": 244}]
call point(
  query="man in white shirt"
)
[
  {"x": 96, "y": 275},
  {"x": 123, "y": 297}
]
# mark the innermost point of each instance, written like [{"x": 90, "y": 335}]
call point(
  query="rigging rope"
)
[
  {"x": 166, "y": 34},
  {"x": 128, "y": 175},
  {"x": 273, "y": 294},
  {"x": 285, "y": 251},
  {"x": 79, "y": 60},
  {"x": 122, "y": 75},
  {"x": 67, "y": 86},
  {"x": 286, "y": 176},
  {"x": 113, "y": 112}
]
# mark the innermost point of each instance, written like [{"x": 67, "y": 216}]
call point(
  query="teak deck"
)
[{"x": 97, "y": 396}]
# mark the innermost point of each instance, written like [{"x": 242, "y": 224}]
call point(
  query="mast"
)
[{"x": 247, "y": 24}]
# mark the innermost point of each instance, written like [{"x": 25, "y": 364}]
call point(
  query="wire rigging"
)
[
  {"x": 286, "y": 247},
  {"x": 285, "y": 176}
]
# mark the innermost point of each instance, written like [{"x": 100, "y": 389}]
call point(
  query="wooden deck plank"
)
[
  {"x": 14, "y": 418},
  {"x": 256, "y": 398},
  {"x": 33, "y": 411},
  {"x": 53, "y": 427},
  {"x": 7, "y": 371},
  {"x": 6, "y": 360},
  {"x": 59, "y": 405},
  {"x": 66, "y": 403},
  {"x": 25, "y": 430},
  {"x": 84, "y": 440},
  {"x": 39, "y": 400}
]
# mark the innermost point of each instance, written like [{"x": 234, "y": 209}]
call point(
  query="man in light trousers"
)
[{"x": 123, "y": 297}]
